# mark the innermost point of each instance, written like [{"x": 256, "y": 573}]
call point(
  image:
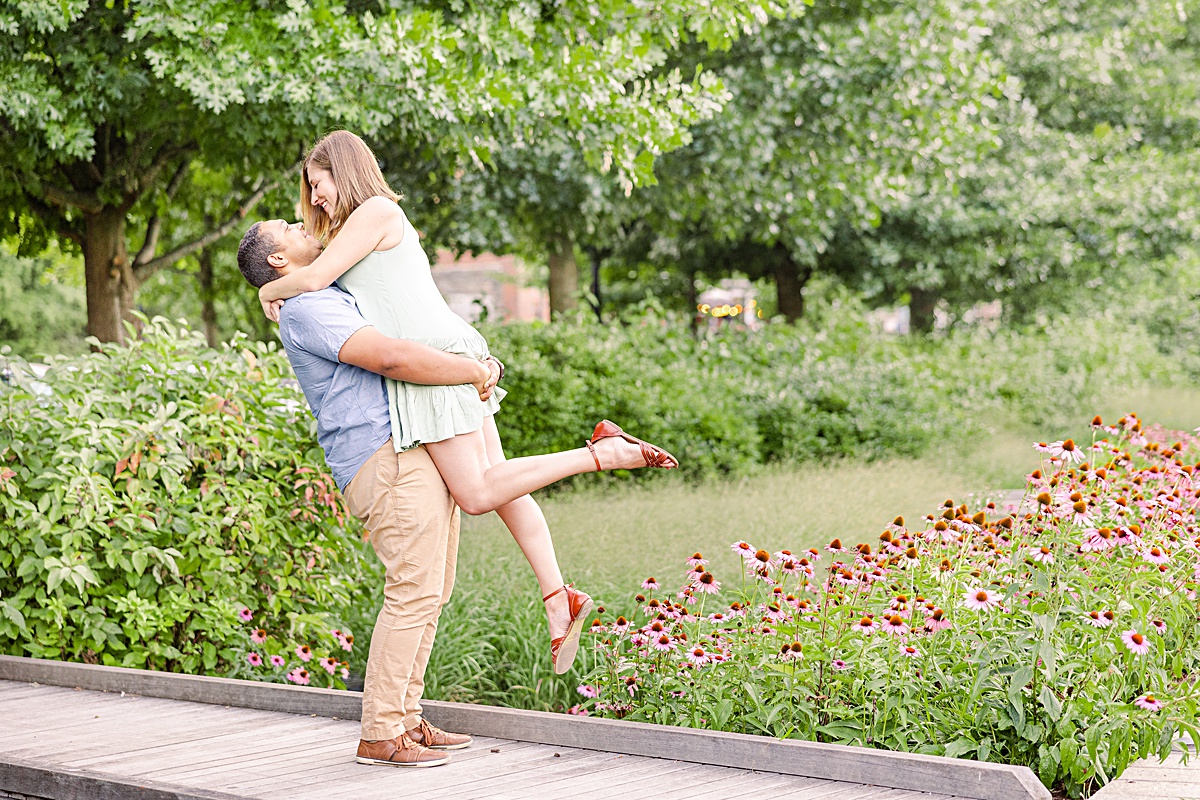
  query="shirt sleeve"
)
[{"x": 320, "y": 322}]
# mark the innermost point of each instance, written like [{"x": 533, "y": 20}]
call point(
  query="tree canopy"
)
[{"x": 116, "y": 105}]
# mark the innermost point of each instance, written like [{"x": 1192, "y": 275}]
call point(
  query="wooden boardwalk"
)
[
  {"x": 1154, "y": 780},
  {"x": 69, "y": 743}
]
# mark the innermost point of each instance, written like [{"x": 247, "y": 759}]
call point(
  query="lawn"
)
[{"x": 617, "y": 538}]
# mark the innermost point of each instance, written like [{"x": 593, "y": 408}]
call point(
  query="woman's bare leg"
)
[
  {"x": 479, "y": 486},
  {"x": 525, "y": 521}
]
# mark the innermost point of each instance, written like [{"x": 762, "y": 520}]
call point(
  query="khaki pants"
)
[{"x": 412, "y": 522}]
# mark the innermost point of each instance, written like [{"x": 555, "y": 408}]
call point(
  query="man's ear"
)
[{"x": 277, "y": 260}]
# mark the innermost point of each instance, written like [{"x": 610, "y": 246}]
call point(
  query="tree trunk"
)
[
  {"x": 564, "y": 274},
  {"x": 790, "y": 278},
  {"x": 208, "y": 308},
  {"x": 920, "y": 310},
  {"x": 107, "y": 274}
]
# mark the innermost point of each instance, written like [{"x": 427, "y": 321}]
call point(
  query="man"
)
[{"x": 401, "y": 499}]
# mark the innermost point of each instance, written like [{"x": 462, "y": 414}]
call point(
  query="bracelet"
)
[{"x": 500, "y": 364}]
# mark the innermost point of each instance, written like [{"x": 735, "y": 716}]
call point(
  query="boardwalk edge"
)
[
  {"x": 27, "y": 778},
  {"x": 937, "y": 774}
]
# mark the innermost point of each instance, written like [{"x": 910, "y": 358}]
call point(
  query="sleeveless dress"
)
[{"x": 395, "y": 292}]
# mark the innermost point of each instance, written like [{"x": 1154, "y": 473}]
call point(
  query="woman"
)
[{"x": 373, "y": 251}]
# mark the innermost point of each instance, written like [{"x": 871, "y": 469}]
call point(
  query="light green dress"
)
[{"x": 395, "y": 292}]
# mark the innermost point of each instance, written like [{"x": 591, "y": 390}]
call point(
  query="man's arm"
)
[{"x": 413, "y": 362}]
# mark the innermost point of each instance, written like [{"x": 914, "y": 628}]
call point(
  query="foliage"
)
[
  {"x": 827, "y": 387},
  {"x": 1063, "y": 637},
  {"x": 39, "y": 311},
  {"x": 124, "y": 110},
  {"x": 149, "y": 493}
]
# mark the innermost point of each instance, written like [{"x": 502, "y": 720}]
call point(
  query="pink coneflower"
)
[
  {"x": 620, "y": 626},
  {"x": 588, "y": 691},
  {"x": 299, "y": 676},
  {"x": 775, "y": 613},
  {"x": 246, "y": 615},
  {"x": 578, "y": 711},
  {"x": 744, "y": 549},
  {"x": 1067, "y": 450},
  {"x": 894, "y": 624},
  {"x": 839, "y": 665},
  {"x": 330, "y": 664},
  {"x": 650, "y": 584},
  {"x": 347, "y": 641},
  {"x": 981, "y": 599},
  {"x": 1079, "y": 513},
  {"x": 866, "y": 625},
  {"x": 1100, "y": 619},
  {"x": 936, "y": 621},
  {"x": 1148, "y": 702},
  {"x": 697, "y": 656},
  {"x": 1043, "y": 555},
  {"x": 789, "y": 567},
  {"x": 1160, "y": 627},
  {"x": 1135, "y": 642},
  {"x": 1098, "y": 540},
  {"x": 304, "y": 652},
  {"x": 909, "y": 651},
  {"x": 345, "y": 673},
  {"x": 1043, "y": 447},
  {"x": 664, "y": 643},
  {"x": 258, "y": 636},
  {"x": 255, "y": 659},
  {"x": 277, "y": 661},
  {"x": 835, "y": 546},
  {"x": 791, "y": 651},
  {"x": 1156, "y": 555},
  {"x": 707, "y": 584}
]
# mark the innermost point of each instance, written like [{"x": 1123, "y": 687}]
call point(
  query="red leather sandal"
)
[
  {"x": 654, "y": 455},
  {"x": 564, "y": 648}
]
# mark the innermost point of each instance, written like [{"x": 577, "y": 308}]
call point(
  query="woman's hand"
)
[
  {"x": 270, "y": 307},
  {"x": 488, "y": 383}
]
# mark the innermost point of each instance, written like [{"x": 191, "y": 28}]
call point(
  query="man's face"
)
[{"x": 293, "y": 241}]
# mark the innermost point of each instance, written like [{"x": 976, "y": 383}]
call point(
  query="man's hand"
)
[
  {"x": 270, "y": 307},
  {"x": 486, "y": 386}
]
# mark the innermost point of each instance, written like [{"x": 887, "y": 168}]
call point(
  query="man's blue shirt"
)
[{"x": 350, "y": 403}]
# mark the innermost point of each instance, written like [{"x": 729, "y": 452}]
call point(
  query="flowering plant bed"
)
[{"x": 1062, "y": 636}]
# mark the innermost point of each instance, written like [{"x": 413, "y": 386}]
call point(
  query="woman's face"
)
[{"x": 324, "y": 191}]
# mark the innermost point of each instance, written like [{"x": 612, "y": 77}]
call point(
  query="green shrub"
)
[{"x": 157, "y": 501}]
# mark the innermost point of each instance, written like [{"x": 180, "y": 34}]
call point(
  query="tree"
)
[
  {"x": 112, "y": 106},
  {"x": 836, "y": 118}
]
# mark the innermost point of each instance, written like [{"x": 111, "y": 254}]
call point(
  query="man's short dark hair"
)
[{"x": 253, "y": 250}]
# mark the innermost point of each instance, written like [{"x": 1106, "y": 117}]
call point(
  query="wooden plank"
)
[
  {"x": 978, "y": 780},
  {"x": 251, "y": 761},
  {"x": 240, "y": 754},
  {"x": 636, "y": 774},
  {"x": 35, "y": 780},
  {"x": 540, "y": 777},
  {"x": 324, "y": 777},
  {"x": 451, "y": 782}
]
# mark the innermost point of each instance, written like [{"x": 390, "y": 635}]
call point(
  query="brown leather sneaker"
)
[
  {"x": 399, "y": 752},
  {"x": 437, "y": 739}
]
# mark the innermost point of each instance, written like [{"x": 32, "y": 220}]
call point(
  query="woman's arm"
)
[{"x": 364, "y": 230}]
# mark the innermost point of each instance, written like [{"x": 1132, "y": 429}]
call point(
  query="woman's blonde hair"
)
[{"x": 355, "y": 173}]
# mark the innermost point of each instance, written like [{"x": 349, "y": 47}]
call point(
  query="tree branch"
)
[
  {"x": 87, "y": 202},
  {"x": 154, "y": 227},
  {"x": 144, "y": 271}
]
